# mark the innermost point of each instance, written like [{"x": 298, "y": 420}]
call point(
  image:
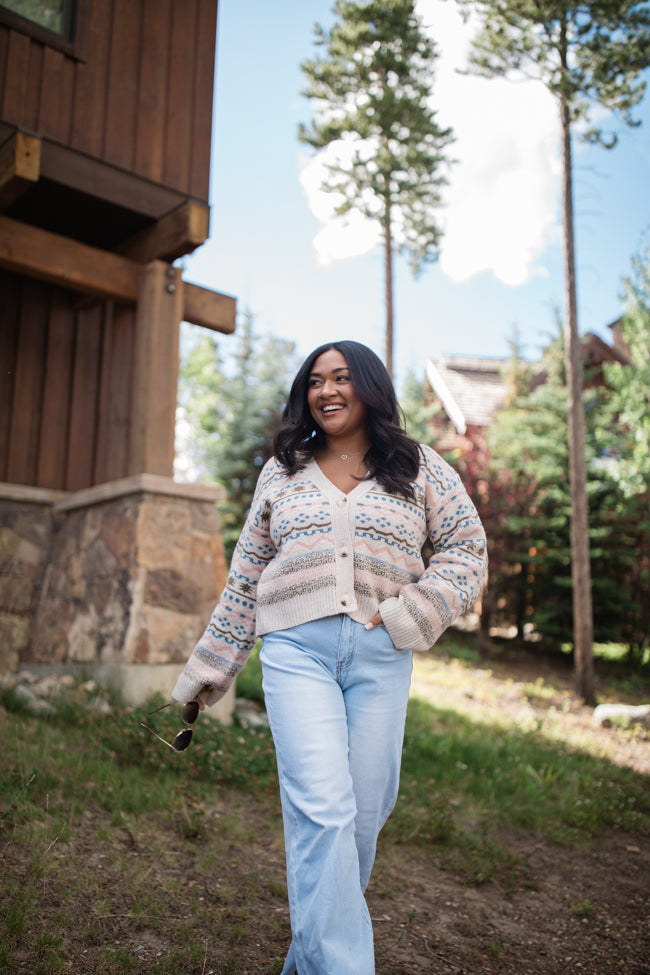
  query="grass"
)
[
  {"x": 101, "y": 824},
  {"x": 462, "y": 781}
]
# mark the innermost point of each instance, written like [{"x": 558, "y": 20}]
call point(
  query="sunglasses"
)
[{"x": 182, "y": 740}]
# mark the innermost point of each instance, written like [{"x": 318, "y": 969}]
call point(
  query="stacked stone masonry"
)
[{"x": 125, "y": 574}]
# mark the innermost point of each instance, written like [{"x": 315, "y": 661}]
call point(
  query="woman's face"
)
[{"x": 331, "y": 398}]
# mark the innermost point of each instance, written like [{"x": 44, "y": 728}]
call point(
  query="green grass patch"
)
[
  {"x": 464, "y": 779},
  {"x": 107, "y": 833}
]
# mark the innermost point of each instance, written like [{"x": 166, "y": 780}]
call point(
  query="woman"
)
[{"x": 328, "y": 570}]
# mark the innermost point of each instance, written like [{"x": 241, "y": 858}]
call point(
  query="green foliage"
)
[
  {"x": 530, "y": 508},
  {"x": 624, "y": 437},
  {"x": 529, "y": 461},
  {"x": 231, "y": 397},
  {"x": 585, "y": 53},
  {"x": 630, "y": 384},
  {"x": 372, "y": 87},
  {"x": 249, "y": 681},
  {"x": 417, "y": 413}
]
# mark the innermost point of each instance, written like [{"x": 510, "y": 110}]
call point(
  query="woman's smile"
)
[{"x": 332, "y": 399}]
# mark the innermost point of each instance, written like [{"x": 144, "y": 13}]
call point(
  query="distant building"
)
[{"x": 470, "y": 390}]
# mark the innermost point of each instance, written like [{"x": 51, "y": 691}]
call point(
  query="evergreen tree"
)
[
  {"x": 585, "y": 53},
  {"x": 372, "y": 87},
  {"x": 625, "y": 439},
  {"x": 530, "y": 500},
  {"x": 630, "y": 384},
  {"x": 232, "y": 406},
  {"x": 504, "y": 497},
  {"x": 415, "y": 409}
]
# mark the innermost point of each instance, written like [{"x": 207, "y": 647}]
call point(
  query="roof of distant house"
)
[{"x": 470, "y": 388}]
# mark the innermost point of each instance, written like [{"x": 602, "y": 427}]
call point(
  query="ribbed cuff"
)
[
  {"x": 187, "y": 689},
  {"x": 402, "y": 629}
]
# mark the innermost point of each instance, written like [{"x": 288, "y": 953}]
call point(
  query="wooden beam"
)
[
  {"x": 20, "y": 166},
  {"x": 101, "y": 180},
  {"x": 102, "y": 274},
  {"x": 155, "y": 370},
  {"x": 65, "y": 262},
  {"x": 177, "y": 233},
  {"x": 211, "y": 309}
]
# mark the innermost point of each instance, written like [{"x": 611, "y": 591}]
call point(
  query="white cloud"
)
[
  {"x": 502, "y": 204},
  {"x": 348, "y": 235}
]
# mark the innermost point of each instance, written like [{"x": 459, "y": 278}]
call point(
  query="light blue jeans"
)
[{"x": 336, "y": 697}]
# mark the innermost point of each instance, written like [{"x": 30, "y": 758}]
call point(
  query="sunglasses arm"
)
[{"x": 152, "y": 732}]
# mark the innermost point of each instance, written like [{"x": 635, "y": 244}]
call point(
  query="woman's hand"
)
[
  {"x": 200, "y": 703},
  {"x": 375, "y": 621}
]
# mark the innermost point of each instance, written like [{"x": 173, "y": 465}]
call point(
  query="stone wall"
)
[
  {"x": 118, "y": 580},
  {"x": 26, "y": 530}
]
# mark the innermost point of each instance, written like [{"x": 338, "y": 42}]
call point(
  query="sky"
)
[{"x": 306, "y": 278}]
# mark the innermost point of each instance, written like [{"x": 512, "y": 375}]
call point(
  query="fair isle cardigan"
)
[{"x": 308, "y": 551}]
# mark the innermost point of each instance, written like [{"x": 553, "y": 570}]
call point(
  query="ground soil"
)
[{"x": 573, "y": 910}]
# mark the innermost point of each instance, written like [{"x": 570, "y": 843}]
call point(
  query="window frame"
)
[{"x": 74, "y": 47}]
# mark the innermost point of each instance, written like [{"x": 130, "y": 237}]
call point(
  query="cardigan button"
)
[
  {"x": 345, "y": 600},
  {"x": 343, "y": 552}
]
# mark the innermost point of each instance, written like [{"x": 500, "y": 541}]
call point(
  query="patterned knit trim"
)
[
  {"x": 215, "y": 662},
  {"x": 384, "y": 570},
  {"x": 296, "y": 590}
]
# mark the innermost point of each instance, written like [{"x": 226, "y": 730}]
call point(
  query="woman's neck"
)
[{"x": 350, "y": 448}]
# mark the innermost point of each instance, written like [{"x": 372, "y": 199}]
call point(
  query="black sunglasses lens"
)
[
  {"x": 190, "y": 713},
  {"x": 182, "y": 739}
]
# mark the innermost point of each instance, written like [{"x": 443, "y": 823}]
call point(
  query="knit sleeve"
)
[
  {"x": 229, "y": 637},
  {"x": 454, "y": 578}
]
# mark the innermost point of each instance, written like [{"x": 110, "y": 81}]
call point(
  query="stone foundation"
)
[
  {"x": 118, "y": 580},
  {"x": 26, "y": 529}
]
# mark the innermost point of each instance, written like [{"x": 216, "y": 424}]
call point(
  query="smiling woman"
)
[{"x": 328, "y": 570}]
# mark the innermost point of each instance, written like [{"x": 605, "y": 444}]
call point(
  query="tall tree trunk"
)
[
  {"x": 388, "y": 280},
  {"x": 580, "y": 564}
]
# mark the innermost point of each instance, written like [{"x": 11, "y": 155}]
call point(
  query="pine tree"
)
[
  {"x": 232, "y": 405},
  {"x": 585, "y": 53},
  {"x": 372, "y": 87},
  {"x": 624, "y": 436},
  {"x": 530, "y": 510},
  {"x": 630, "y": 384}
]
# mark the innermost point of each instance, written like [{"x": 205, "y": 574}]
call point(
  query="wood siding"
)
[
  {"x": 142, "y": 98},
  {"x": 66, "y": 391}
]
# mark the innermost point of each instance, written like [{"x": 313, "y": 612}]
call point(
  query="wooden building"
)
[{"x": 105, "y": 135}]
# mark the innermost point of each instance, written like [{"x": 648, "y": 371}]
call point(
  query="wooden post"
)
[
  {"x": 155, "y": 375},
  {"x": 20, "y": 164}
]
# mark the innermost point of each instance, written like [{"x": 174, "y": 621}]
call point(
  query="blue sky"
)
[{"x": 501, "y": 260}]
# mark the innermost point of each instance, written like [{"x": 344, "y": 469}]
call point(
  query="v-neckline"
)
[{"x": 314, "y": 470}]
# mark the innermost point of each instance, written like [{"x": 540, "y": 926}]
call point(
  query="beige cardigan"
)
[{"x": 308, "y": 551}]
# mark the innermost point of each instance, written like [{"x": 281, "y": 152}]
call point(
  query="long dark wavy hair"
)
[{"x": 393, "y": 457}]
